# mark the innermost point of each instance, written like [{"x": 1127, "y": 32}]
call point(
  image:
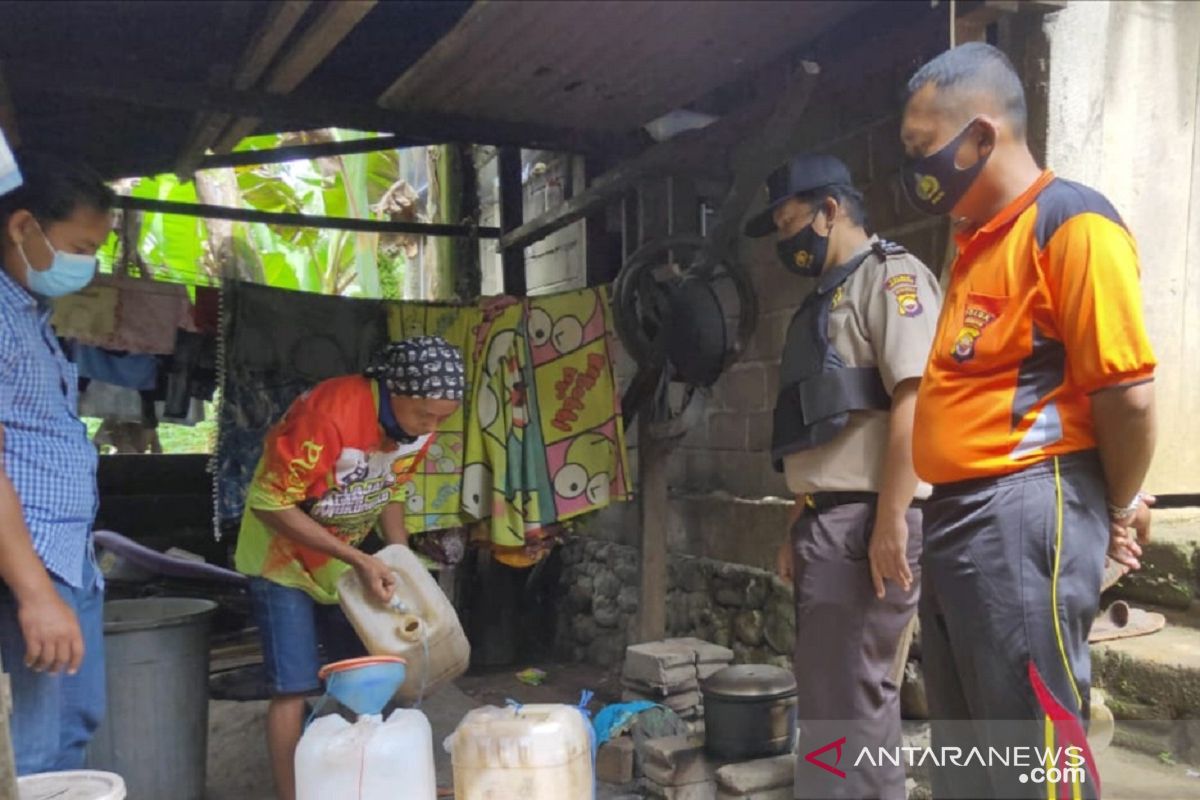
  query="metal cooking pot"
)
[{"x": 749, "y": 712}]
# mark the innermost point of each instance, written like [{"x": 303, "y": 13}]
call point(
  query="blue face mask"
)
[{"x": 67, "y": 273}]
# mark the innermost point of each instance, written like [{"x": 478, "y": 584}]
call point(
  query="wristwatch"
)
[{"x": 1125, "y": 513}]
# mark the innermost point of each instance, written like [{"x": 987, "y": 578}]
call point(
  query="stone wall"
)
[{"x": 746, "y": 609}]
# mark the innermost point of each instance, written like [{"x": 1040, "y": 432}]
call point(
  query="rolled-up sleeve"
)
[
  {"x": 901, "y": 315},
  {"x": 1091, "y": 264}
]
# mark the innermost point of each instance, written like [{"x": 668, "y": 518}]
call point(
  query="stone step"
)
[
  {"x": 1125, "y": 773},
  {"x": 1152, "y": 685},
  {"x": 1170, "y": 573}
]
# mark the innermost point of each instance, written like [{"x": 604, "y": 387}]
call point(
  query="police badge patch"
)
[{"x": 904, "y": 289}]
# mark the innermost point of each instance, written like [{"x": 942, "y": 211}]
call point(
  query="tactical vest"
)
[{"x": 817, "y": 390}]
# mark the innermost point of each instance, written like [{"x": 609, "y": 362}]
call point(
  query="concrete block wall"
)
[{"x": 856, "y": 118}]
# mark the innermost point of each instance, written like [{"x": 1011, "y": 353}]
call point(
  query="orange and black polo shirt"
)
[{"x": 1044, "y": 308}]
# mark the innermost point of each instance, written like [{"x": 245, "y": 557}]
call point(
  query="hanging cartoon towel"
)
[
  {"x": 537, "y": 442},
  {"x": 543, "y": 441},
  {"x": 434, "y": 499}
]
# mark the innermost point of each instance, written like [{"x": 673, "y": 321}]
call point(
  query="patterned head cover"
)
[{"x": 424, "y": 366}]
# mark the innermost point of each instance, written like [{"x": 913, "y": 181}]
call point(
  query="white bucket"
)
[{"x": 78, "y": 785}]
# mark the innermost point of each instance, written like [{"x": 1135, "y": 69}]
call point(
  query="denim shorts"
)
[
  {"x": 298, "y": 636},
  {"x": 54, "y": 716}
]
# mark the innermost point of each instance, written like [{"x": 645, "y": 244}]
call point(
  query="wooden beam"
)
[
  {"x": 670, "y": 157},
  {"x": 297, "y": 111},
  {"x": 298, "y": 152},
  {"x": 319, "y": 40},
  {"x": 207, "y": 211},
  {"x": 264, "y": 46},
  {"x": 512, "y": 211},
  {"x": 8, "y": 113}
]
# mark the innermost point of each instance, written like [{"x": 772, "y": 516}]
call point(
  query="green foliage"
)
[{"x": 182, "y": 248}]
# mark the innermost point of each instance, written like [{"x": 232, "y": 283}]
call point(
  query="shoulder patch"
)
[
  {"x": 903, "y": 287},
  {"x": 1061, "y": 200}
]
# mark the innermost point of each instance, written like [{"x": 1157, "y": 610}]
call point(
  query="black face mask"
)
[
  {"x": 804, "y": 253},
  {"x": 934, "y": 184}
]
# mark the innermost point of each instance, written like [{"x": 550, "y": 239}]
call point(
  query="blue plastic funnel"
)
[{"x": 364, "y": 685}]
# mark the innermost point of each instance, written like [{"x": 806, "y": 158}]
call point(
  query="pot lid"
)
[{"x": 751, "y": 682}]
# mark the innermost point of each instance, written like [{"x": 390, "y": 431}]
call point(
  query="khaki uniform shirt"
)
[{"x": 884, "y": 315}]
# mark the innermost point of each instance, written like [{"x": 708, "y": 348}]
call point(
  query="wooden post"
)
[
  {"x": 8, "y": 763},
  {"x": 652, "y": 497},
  {"x": 512, "y": 213}
]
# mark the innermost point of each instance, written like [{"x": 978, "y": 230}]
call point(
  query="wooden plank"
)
[
  {"x": 653, "y": 498},
  {"x": 268, "y": 40},
  {"x": 314, "y": 46},
  {"x": 206, "y": 211},
  {"x": 608, "y": 64},
  {"x": 299, "y": 152},
  {"x": 512, "y": 211},
  {"x": 264, "y": 46},
  {"x": 8, "y": 763},
  {"x": 297, "y": 111}
]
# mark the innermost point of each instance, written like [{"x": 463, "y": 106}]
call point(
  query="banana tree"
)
[{"x": 386, "y": 185}]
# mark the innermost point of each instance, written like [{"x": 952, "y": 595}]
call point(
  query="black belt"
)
[{"x": 823, "y": 501}]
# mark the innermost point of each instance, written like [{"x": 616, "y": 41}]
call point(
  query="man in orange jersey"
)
[
  {"x": 336, "y": 467},
  {"x": 1034, "y": 423}
]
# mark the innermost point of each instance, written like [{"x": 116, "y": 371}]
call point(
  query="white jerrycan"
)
[
  {"x": 369, "y": 760},
  {"x": 533, "y": 752},
  {"x": 420, "y": 626}
]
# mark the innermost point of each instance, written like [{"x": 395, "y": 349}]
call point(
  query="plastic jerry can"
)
[
  {"x": 533, "y": 752},
  {"x": 420, "y": 626},
  {"x": 369, "y": 760}
]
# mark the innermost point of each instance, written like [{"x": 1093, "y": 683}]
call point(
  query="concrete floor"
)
[
  {"x": 238, "y": 767},
  {"x": 1126, "y": 775}
]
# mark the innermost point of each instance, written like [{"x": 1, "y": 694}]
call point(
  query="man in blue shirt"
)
[{"x": 51, "y": 595}]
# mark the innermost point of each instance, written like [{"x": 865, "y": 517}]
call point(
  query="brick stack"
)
[
  {"x": 669, "y": 672},
  {"x": 763, "y": 779},
  {"x": 677, "y": 768}
]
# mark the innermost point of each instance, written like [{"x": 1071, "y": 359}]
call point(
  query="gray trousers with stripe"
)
[{"x": 1012, "y": 573}]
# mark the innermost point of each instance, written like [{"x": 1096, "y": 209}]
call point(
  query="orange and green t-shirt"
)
[
  {"x": 1044, "y": 308},
  {"x": 330, "y": 457}
]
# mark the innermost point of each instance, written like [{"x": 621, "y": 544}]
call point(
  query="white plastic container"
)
[
  {"x": 534, "y": 752},
  {"x": 421, "y": 626},
  {"x": 369, "y": 760},
  {"x": 76, "y": 785}
]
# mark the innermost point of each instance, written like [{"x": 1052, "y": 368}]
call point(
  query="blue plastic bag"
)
[{"x": 615, "y": 719}]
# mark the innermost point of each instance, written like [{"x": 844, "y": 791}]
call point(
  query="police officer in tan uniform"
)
[{"x": 855, "y": 353}]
